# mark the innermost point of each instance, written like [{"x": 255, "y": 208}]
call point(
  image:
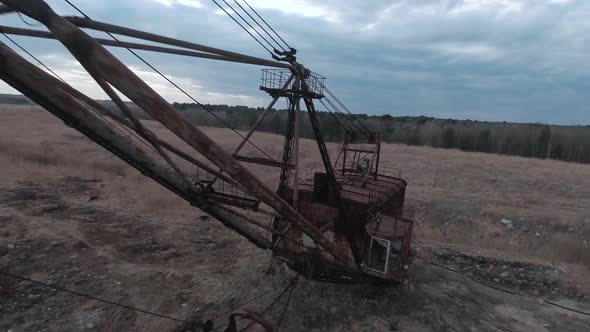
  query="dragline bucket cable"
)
[
  {"x": 176, "y": 85},
  {"x": 268, "y": 25},
  {"x": 263, "y": 29},
  {"x": 240, "y": 24}
]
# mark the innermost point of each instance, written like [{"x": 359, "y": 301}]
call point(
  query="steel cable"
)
[
  {"x": 345, "y": 108},
  {"x": 333, "y": 114},
  {"x": 250, "y": 25},
  {"x": 290, "y": 286},
  {"x": 95, "y": 298},
  {"x": 342, "y": 115},
  {"x": 243, "y": 27},
  {"x": 500, "y": 289},
  {"x": 128, "y": 133},
  {"x": 176, "y": 85},
  {"x": 263, "y": 29},
  {"x": 268, "y": 25}
]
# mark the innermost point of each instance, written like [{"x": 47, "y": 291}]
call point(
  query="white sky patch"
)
[
  {"x": 190, "y": 3},
  {"x": 165, "y": 2},
  {"x": 74, "y": 74},
  {"x": 298, "y": 7},
  {"x": 289, "y": 7},
  {"x": 194, "y": 88},
  {"x": 484, "y": 52},
  {"x": 51, "y": 57},
  {"x": 71, "y": 71},
  {"x": 411, "y": 12},
  {"x": 501, "y": 7},
  {"x": 5, "y": 88},
  {"x": 382, "y": 17}
]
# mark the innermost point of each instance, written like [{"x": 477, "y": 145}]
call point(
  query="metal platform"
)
[{"x": 274, "y": 80}]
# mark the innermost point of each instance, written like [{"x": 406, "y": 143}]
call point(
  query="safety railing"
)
[
  {"x": 211, "y": 183},
  {"x": 315, "y": 83},
  {"x": 366, "y": 191},
  {"x": 274, "y": 78}
]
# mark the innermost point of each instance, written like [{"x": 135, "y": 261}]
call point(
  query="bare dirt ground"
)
[{"x": 75, "y": 216}]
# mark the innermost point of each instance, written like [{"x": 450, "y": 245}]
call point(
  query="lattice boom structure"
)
[{"x": 345, "y": 222}]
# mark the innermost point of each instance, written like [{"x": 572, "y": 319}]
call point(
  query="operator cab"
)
[
  {"x": 387, "y": 247},
  {"x": 371, "y": 213}
]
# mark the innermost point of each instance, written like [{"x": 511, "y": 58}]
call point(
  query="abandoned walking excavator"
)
[{"x": 343, "y": 222}]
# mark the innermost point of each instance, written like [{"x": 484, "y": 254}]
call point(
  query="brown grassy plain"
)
[{"x": 459, "y": 197}]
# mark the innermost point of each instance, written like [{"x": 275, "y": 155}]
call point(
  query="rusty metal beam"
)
[
  {"x": 131, "y": 45},
  {"x": 96, "y": 59},
  {"x": 106, "y": 27},
  {"x": 105, "y": 111},
  {"x": 122, "y": 120},
  {"x": 287, "y": 150},
  {"x": 140, "y": 129},
  {"x": 361, "y": 150},
  {"x": 262, "y": 116},
  {"x": 315, "y": 125},
  {"x": 257, "y": 123},
  {"x": 232, "y": 200},
  {"x": 295, "y": 158},
  {"x": 263, "y": 161},
  {"x": 262, "y": 225},
  {"x": 45, "y": 90},
  {"x": 198, "y": 163}
]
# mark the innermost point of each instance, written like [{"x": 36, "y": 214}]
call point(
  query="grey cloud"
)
[{"x": 486, "y": 59}]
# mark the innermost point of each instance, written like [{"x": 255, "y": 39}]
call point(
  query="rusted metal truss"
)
[
  {"x": 263, "y": 161},
  {"x": 112, "y": 74},
  {"x": 342, "y": 208},
  {"x": 144, "y": 47},
  {"x": 46, "y": 91}
]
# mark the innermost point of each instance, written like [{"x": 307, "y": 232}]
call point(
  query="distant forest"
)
[{"x": 568, "y": 143}]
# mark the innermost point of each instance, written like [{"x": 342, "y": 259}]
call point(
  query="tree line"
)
[{"x": 568, "y": 143}]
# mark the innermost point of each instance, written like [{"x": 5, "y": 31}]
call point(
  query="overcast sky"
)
[{"x": 498, "y": 60}]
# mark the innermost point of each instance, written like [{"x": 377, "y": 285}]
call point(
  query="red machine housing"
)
[{"x": 371, "y": 210}]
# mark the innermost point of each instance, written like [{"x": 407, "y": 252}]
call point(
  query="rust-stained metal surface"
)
[
  {"x": 99, "y": 62},
  {"x": 263, "y": 161},
  {"x": 227, "y": 55},
  {"x": 341, "y": 223},
  {"x": 135, "y": 46},
  {"x": 372, "y": 208},
  {"x": 46, "y": 91}
]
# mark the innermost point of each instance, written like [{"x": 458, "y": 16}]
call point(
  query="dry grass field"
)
[{"x": 71, "y": 212}]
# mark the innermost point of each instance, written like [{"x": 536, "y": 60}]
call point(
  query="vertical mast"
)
[{"x": 297, "y": 124}]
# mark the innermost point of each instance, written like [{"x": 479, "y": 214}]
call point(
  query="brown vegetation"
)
[{"x": 460, "y": 197}]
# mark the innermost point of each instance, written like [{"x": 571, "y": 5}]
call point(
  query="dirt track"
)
[{"x": 81, "y": 230}]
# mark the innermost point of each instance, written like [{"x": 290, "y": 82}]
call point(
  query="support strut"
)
[{"x": 99, "y": 62}]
